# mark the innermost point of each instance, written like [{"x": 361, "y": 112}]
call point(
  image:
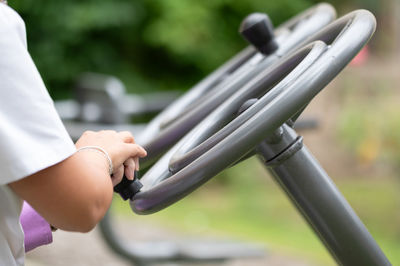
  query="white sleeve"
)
[{"x": 32, "y": 136}]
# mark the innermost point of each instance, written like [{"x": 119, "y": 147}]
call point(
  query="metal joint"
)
[{"x": 286, "y": 154}]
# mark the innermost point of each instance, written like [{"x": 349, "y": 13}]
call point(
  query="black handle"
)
[
  {"x": 128, "y": 188},
  {"x": 257, "y": 29}
]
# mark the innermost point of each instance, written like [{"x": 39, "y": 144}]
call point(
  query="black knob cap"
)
[
  {"x": 128, "y": 188},
  {"x": 257, "y": 29}
]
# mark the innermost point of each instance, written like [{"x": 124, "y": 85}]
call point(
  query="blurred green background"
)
[
  {"x": 170, "y": 45},
  {"x": 149, "y": 44}
]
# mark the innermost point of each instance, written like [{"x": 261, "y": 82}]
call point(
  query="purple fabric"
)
[{"x": 36, "y": 229}]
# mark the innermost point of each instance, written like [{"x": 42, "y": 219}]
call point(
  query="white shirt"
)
[{"x": 32, "y": 136}]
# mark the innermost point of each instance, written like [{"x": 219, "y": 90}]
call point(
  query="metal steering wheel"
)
[
  {"x": 208, "y": 148},
  {"x": 189, "y": 110}
]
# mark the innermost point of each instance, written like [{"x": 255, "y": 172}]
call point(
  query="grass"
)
[{"x": 244, "y": 203}]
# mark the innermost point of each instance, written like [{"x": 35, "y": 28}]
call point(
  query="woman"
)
[{"x": 69, "y": 185}]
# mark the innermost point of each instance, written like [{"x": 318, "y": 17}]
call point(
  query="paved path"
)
[{"x": 90, "y": 249}]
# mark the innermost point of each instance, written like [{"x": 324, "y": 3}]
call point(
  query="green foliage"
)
[
  {"x": 156, "y": 44},
  {"x": 66, "y": 38},
  {"x": 204, "y": 33}
]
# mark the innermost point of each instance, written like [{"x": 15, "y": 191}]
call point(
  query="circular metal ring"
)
[
  {"x": 179, "y": 118},
  {"x": 151, "y": 199},
  {"x": 344, "y": 38}
]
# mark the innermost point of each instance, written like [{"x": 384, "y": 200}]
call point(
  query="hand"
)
[
  {"x": 121, "y": 148},
  {"x": 129, "y": 167}
]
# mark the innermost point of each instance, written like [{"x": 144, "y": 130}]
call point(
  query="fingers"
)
[
  {"x": 117, "y": 175},
  {"x": 121, "y": 148},
  {"x": 137, "y": 163},
  {"x": 135, "y": 150},
  {"x": 126, "y": 137},
  {"x": 130, "y": 167}
]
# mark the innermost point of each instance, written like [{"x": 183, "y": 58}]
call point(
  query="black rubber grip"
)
[{"x": 128, "y": 188}]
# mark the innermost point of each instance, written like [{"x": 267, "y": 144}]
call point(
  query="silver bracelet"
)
[{"x": 102, "y": 151}]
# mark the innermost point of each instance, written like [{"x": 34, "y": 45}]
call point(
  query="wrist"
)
[
  {"x": 101, "y": 151},
  {"x": 94, "y": 162}
]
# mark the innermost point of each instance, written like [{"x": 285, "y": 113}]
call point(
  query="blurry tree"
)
[
  {"x": 149, "y": 44},
  {"x": 66, "y": 38}
]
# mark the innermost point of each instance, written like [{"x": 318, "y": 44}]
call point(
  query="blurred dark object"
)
[
  {"x": 177, "y": 252},
  {"x": 101, "y": 102}
]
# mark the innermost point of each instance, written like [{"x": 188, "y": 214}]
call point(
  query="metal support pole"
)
[{"x": 319, "y": 200}]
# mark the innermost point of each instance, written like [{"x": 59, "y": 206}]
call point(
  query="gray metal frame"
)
[
  {"x": 319, "y": 201},
  {"x": 184, "y": 114},
  {"x": 282, "y": 86},
  {"x": 206, "y": 150},
  {"x": 289, "y": 36}
]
